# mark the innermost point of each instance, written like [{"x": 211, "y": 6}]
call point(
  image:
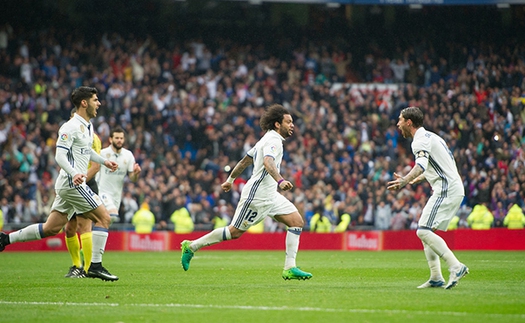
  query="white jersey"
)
[
  {"x": 440, "y": 170},
  {"x": 261, "y": 185},
  {"x": 76, "y": 137},
  {"x": 259, "y": 197},
  {"x": 110, "y": 184}
]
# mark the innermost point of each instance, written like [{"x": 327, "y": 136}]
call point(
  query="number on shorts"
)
[{"x": 251, "y": 216}]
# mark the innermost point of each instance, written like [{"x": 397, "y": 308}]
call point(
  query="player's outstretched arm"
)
[{"x": 401, "y": 181}]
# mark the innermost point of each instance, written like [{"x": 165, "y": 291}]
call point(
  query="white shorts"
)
[
  {"x": 251, "y": 211},
  {"x": 108, "y": 201},
  {"x": 79, "y": 200},
  {"x": 438, "y": 211}
]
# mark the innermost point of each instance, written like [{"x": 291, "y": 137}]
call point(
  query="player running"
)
[
  {"x": 259, "y": 197},
  {"x": 111, "y": 184},
  {"x": 73, "y": 195}
]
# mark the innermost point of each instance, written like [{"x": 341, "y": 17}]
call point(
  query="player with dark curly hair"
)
[{"x": 259, "y": 197}]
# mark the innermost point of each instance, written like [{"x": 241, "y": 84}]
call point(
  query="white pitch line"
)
[{"x": 272, "y": 308}]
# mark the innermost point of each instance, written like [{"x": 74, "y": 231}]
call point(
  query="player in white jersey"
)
[
  {"x": 435, "y": 163},
  {"x": 73, "y": 195},
  {"x": 111, "y": 183},
  {"x": 259, "y": 197}
]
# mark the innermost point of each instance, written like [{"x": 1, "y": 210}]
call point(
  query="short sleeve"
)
[{"x": 272, "y": 149}]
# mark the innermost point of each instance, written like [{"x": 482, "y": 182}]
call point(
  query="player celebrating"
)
[
  {"x": 73, "y": 153},
  {"x": 435, "y": 163},
  {"x": 259, "y": 197},
  {"x": 112, "y": 183}
]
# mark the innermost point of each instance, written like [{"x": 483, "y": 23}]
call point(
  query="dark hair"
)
[
  {"x": 82, "y": 93},
  {"x": 274, "y": 113},
  {"x": 117, "y": 130},
  {"x": 415, "y": 114}
]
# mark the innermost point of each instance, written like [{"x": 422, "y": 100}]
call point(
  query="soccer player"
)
[
  {"x": 111, "y": 183},
  {"x": 73, "y": 195},
  {"x": 259, "y": 197},
  {"x": 435, "y": 163},
  {"x": 82, "y": 225}
]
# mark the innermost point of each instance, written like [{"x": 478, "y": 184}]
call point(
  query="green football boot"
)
[
  {"x": 295, "y": 273},
  {"x": 186, "y": 255}
]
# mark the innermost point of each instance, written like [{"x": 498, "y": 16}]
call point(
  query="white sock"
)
[
  {"x": 440, "y": 248},
  {"x": 29, "y": 233},
  {"x": 292, "y": 245},
  {"x": 434, "y": 263},
  {"x": 100, "y": 237},
  {"x": 211, "y": 238}
]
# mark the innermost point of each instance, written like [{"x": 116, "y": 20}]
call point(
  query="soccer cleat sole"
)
[
  {"x": 432, "y": 284},
  {"x": 297, "y": 278},
  {"x": 102, "y": 277}
]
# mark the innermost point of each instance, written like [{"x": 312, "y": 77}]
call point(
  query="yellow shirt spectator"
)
[
  {"x": 219, "y": 222},
  {"x": 143, "y": 219},
  {"x": 182, "y": 220},
  {"x": 343, "y": 225},
  {"x": 480, "y": 218},
  {"x": 320, "y": 224},
  {"x": 515, "y": 219}
]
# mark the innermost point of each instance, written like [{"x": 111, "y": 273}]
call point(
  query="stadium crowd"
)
[{"x": 192, "y": 108}]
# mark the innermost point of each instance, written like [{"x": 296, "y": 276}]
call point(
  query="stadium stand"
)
[{"x": 190, "y": 106}]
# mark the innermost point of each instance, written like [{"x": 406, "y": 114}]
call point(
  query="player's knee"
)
[
  {"x": 297, "y": 221},
  {"x": 103, "y": 220},
  {"x": 83, "y": 228},
  {"x": 70, "y": 230}
]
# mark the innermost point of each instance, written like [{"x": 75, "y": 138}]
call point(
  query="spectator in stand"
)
[
  {"x": 143, "y": 220},
  {"x": 319, "y": 222},
  {"x": 515, "y": 219},
  {"x": 43, "y": 105},
  {"x": 383, "y": 215},
  {"x": 480, "y": 218},
  {"x": 181, "y": 217},
  {"x": 399, "y": 217},
  {"x": 499, "y": 213}
]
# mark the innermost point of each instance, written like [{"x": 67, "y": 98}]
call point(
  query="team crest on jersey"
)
[
  {"x": 108, "y": 155},
  {"x": 63, "y": 136},
  {"x": 422, "y": 153},
  {"x": 82, "y": 128}
]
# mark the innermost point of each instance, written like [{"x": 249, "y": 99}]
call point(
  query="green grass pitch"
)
[{"x": 246, "y": 286}]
